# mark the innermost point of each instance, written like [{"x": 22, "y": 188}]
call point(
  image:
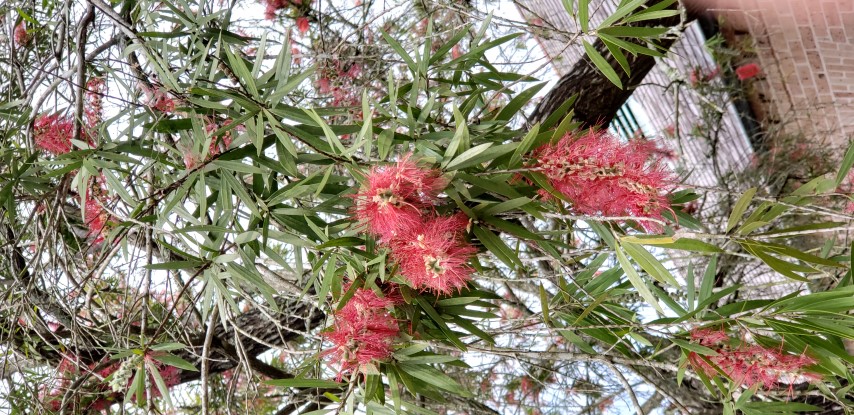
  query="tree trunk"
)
[{"x": 598, "y": 98}]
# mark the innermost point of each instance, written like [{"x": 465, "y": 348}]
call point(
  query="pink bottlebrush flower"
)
[
  {"x": 53, "y": 133},
  {"x": 94, "y": 106},
  {"x": 354, "y": 71},
  {"x": 21, "y": 36},
  {"x": 272, "y": 6},
  {"x": 363, "y": 333},
  {"x": 670, "y": 130},
  {"x": 160, "y": 100},
  {"x": 96, "y": 218},
  {"x": 694, "y": 77},
  {"x": 323, "y": 85},
  {"x": 747, "y": 364},
  {"x": 714, "y": 73},
  {"x": 392, "y": 199},
  {"x": 709, "y": 337},
  {"x": 603, "y": 176},
  {"x": 296, "y": 55},
  {"x": 302, "y": 24},
  {"x": 221, "y": 143},
  {"x": 747, "y": 71},
  {"x": 456, "y": 52},
  {"x": 433, "y": 256},
  {"x": 191, "y": 160}
]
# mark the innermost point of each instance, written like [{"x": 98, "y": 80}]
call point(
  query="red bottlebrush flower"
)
[
  {"x": 272, "y": 6},
  {"x": 694, "y": 77},
  {"x": 323, "y": 85},
  {"x": 94, "y": 106},
  {"x": 456, "y": 52},
  {"x": 747, "y": 71},
  {"x": 302, "y": 24},
  {"x": 433, "y": 256},
  {"x": 53, "y": 133},
  {"x": 354, "y": 71},
  {"x": 363, "y": 333},
  {"x": 670, "y": 130},
  {"x": 160, "y": 100},
  {"x": 191, "y": 160},
  {"x": 747, "y": 364},
  {"x": 297, "y": 55},
  {"x": 21, "y": 36},
  {"x": 218, "y": 144},
  {"x": 96, "y": 218},
  {"x": 603, "y": 176},
  {"x": 709, "y": 337},
  {"x": 394, "y": 195}
]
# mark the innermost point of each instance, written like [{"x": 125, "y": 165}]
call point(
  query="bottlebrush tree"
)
[{"x": 358, "y": 218}]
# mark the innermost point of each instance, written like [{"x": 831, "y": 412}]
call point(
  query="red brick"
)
[{"x": 831, "y": 14}]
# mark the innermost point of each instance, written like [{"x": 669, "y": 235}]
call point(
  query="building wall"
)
[{"x": 806, "y": 50}]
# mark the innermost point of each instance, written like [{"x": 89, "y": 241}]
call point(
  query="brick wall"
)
[{"x": 806, "y": 50}]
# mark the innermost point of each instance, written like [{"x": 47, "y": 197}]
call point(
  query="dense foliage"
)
[{"x": 342, "y": 208}]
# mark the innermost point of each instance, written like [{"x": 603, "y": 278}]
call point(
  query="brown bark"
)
[{"x": 598, "y": 98}]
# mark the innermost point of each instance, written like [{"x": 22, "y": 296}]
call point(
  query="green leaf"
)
[
  {"x": 739, "y": 208},
  {"x": 845, "y": 166},
  {"x": 621, "y": 12},
  {"x": 172, "y": 360},
  {"x": 304, "y": 383},
  {"x": 440, "y": 322},
  {"x": 780, "y": 407},
  {"x": 602, "y": 64},
  {"x": 174, "y": 265},
  {"x": 618, "y": 55},
  {"x": 653, "y": 15},
  {"x": 636, "y": 280},
  {"x": 519, "y": 101},
  {"x": 584, "y": 15},
  {"x": 544, "y": 304},
  {"x": 164, "y": 347},
  {"x": 783, "y": 267},
  {"x": 497, "y": 247},
  {"x": 694, "y": 347},
  {"x": 708, "y": 280},
  {"x": 635, "y": 32},
  {"x": 433, "y": 377},
  {"x": 480, "y": 154},
  {"x": 161, "y": 385},
  {"x": 650, "y": 264},
  {"x": 524, "y": 146},
  {"x": 400, "y": 52}
]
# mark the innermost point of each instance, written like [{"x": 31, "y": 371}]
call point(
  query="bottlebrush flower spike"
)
[
  {"x": 363, "y": 333},
  {"x": 747, "y": 364},
  {"x": 603, "y": 176},
  {"x": 392, "y": 199},
  {"x": 94, "y": 101},
  {"x": 95, "y": 215},
  {"x": 747, "y": 71},
  {"x": 433, "y": 256},
  {"x": 272, "y": 6},
  {"x": 21, "y": 36},
  {"x": 53, "y": 133},
  {"x": 96, "y": 218},
  {"x": 302, "y": 24},
  {"x": 709, "y": 337}
]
